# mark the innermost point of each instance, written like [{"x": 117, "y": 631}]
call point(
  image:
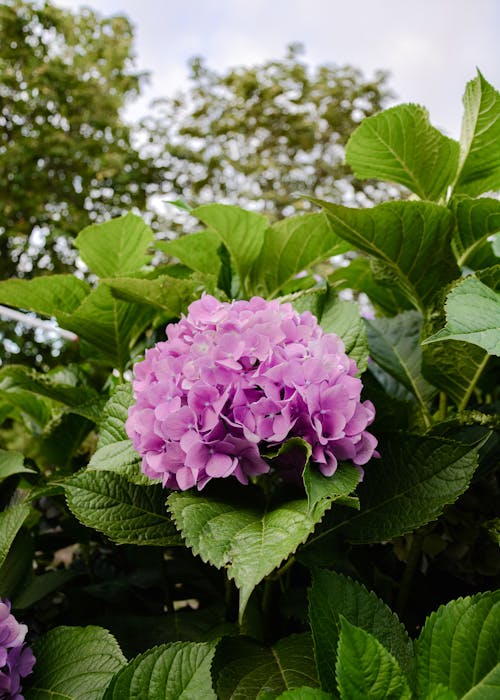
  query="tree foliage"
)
[
  {"x": 263, "y": 135},
  {"x": 66, "y": 156}
]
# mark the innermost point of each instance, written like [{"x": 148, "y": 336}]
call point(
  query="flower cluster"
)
[
  {"x": 234, "y": 379},
  {"x": 16, "y": 659}
]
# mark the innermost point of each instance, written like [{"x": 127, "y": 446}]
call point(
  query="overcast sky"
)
[{"x": 431, "y": 47}]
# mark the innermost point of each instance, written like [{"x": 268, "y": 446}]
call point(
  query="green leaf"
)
[
  {"x": 73, "y": 663},
  {"x": 26, "y": 407},
  {"x": 12, "y": 463},
  {"x": 66, "y": 385},
  {"x": 410, "y": 485},
  {"x": 490, "y": 276},
  {"x": 459, "y": 647},
  {"x": 38, "y": 586},
  {"x": 18, "y": 565},
  {"x": 339, "y": 485},
  {"x": 115, "y": 247},
  {"x": 410, "y": 242},
  {"x": 303, "y": 694},
  {"x": 440, "y": 692},
  {"x": 109, "y": 326},
  {"x": 454, "y": 367},
  {"x": 180, "y": 670},
  {"x": 365, "y": 669},
  {"x": 333, "y": 595},
  {"x": 11, "y": 520},
  {"x": 124, "y": 512},
  {"x": 244, "y": 669},
  {"x": 50, "y": 295},
  {"x": 479, "y": 168},
  {"x": 119, "y": 458},
  {"x": 248, "y": 541},
  {"x": 476, "y": 220},
  {"x": 359, "y": 275},
  {"x": 199, "y": 251},
  {"x": 343, "y": 318},
  {"x": 400, "y": 145},
  {"x": 472, "y": 316},
  {"x": 170, "y": 294},
  {"x": 242, "y": 232},
  {"x": 114, "y": 416},
  {"x": 292, "y": 246},
  {"x": 394, "y": 344}
]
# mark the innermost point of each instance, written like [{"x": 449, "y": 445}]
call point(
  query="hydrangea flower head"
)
[
  {"x": 16, "y": 659},
  {"x": 234, "y": 379}
]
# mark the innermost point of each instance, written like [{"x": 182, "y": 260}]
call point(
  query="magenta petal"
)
[{"x": 220, "y": 465}]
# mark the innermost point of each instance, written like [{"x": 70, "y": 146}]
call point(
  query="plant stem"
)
[
  {"x": 411, "y": 566},
  {"x": 442, "y": 405}
]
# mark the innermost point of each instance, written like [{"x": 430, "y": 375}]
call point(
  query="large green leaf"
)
[
  {"x": 66, "y": 385},
  {"x": 11, "y": 520},
  {"x": 114, "y": 415},
  {"x": 18, "y": 565},
  {"x": 292, "y": 246},
  {"x": 125, "y": 512},
  {"x": 25, "y": 407},
  {"x": 338, "y": 486},
  {"x": 73, "y": 663},
  {"x": 472, "y": 316},
  {"x": 476, "y": 220},
  {"x": 459, "y": 647},
  {"x": 120, "y": 458},
  {"x": 249, "y": 541},
  {"x": 394, "y": 344},
  {"x": 11, "y": 463},
  {"x": 245, "y": 669},
  {"x": 400, "y": 145},
  {"x": 359, "y": 275},
  {"x": 454, "y": 367},
  {"x": 302, "y": 694},
  {"x": 180, "y": 670},
  {"x": 108, "y": 325},
  {"x": 242, "y": 232},
  {"x": 170, "y": 294},
  {"x": 344, "y": 319},
  {"x": 199, "y": 251},
  {"x": 409, "y": 240},
  {"x": 115, "y": 247},
  {"x": 365, "y": 669},
  {"x": 479, "y": 169},
  {"x": 50, "y": 295},
  {"x": 333, "y": 595},
  {"x": 35, "y": 587},
  {"x": 409, "y": 486}
]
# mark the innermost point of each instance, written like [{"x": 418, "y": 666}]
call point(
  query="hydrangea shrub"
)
[
  {"x": 185, "y": 508},
  {"x": 236, "y": 378}
]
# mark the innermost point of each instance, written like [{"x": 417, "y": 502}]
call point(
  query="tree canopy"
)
[
  {"x": 66, "y": 156},
  {"x": 261, "y": 136}
]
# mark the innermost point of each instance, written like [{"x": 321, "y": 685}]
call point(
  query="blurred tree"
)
[
  {"x": 66, "y": 157},
  {"x": 262, "y": 135}
]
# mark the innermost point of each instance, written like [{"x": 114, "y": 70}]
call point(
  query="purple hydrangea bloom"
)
[
  {"x": 16, "y": 659},
  {"x": 235, "y": 379}
]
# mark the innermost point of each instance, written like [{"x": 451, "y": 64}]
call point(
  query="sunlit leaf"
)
[
  {"x": 472, "y": 316},
  {"x": 400, "y": 145},
  {"x": 115, "y": 247},
  {"x": 409, "y": 240},
  {"x": 479, "y": 169}
]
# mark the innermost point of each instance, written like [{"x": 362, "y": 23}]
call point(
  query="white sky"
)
[{"x": 431, "y": 47}]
